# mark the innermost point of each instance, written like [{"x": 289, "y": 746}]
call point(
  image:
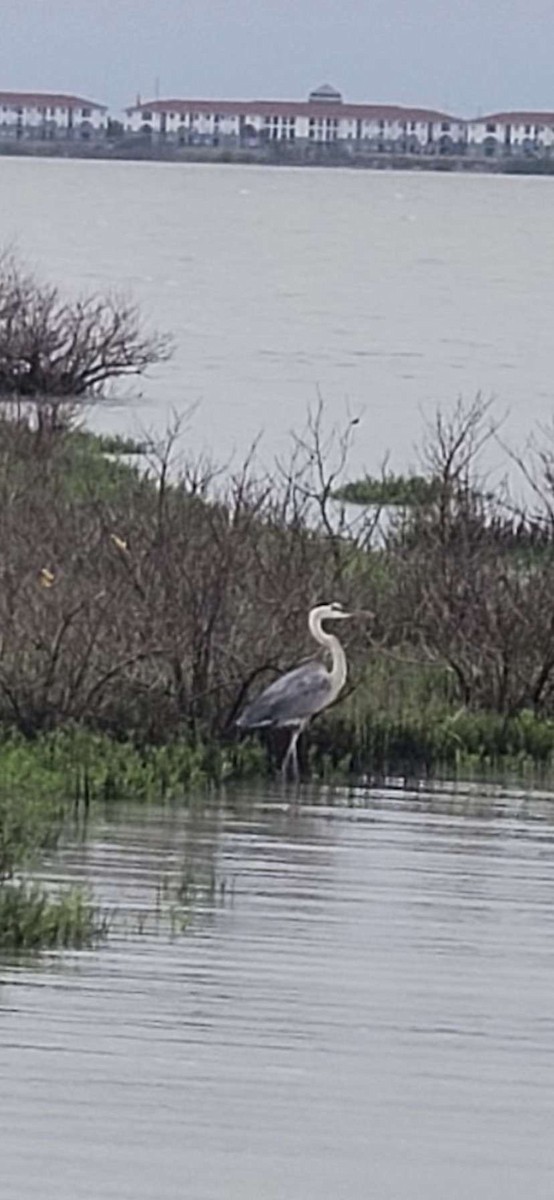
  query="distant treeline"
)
[{"x": 274, "y": 154}]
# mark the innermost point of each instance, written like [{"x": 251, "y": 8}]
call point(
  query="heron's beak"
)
[{"x": 358, "y": 612}]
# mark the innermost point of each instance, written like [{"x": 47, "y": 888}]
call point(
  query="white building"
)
[
  {"x": 324, "y": 118},
  {"x": 46, "y": 116},
  {"x": 500, "y": 135}
]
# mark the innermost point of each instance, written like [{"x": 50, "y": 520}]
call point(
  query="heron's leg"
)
[
  {"x": 292, "y": 756},
  {"x": 287, "y": 758}
]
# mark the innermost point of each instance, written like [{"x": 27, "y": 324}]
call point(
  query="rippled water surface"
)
[
  {"x": 387, "y": 291},
  {"x": 350, "y": 997}
]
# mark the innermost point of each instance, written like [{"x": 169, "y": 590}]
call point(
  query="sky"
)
[{"x": 467, "y": 57}]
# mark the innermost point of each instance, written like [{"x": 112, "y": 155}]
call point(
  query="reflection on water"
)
[{"x": 360, "y": 1005}]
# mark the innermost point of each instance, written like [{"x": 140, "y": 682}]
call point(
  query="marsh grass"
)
[
  {"x": 34, "y": 816},
  {"x": 397, "y": 490},
  {"x": 42, "y": 777},
  {"x": 46, "y": 781},
  {"x": 404, "y": 720},
  {"x": 88, "y": 766},
  {"x": 33, "y": 919}
]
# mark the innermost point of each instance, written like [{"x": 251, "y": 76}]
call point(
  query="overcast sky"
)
[{"x": 466, "y": 55}]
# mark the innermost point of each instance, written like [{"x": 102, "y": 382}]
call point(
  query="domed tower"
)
[{"x": 325, "y": 94}]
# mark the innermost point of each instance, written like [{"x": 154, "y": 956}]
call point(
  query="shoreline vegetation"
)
[
  {"x": 146, "y": 594},
  {"x": 141, "y": 608},
  {"x": 275, "y": 155}
]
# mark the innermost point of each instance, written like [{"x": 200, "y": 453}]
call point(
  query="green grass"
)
[
  {"x": 34, "y": 814},
  {"x": 458, "y": 744},
  {"x": 117, "y": 445},
  {"x": 398, "y": 490},
  {"x": 31, "y": 919},
  {"x": 31, "y": 822},
  {"x": 91, "y": 469},
  {"x": 405, "y": 719},
  {"x": 83, "y": 766}
]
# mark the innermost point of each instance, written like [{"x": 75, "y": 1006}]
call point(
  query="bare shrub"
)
[
  {"x": 56, "y": 354},
  {"x": 143, "y": 604},
  {"x": 474, "y": 585}
]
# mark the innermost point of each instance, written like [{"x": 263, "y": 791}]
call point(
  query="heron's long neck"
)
[{"x": 338, "y": 670}]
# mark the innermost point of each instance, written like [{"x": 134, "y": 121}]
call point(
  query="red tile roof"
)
[
  {"x": 520, "y": 118},
  {"x": 47, "y": 100},
  {"x": 292, "y": 108}
]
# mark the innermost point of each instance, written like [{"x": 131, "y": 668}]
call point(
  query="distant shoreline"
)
[{"x": 271, "y": 156}]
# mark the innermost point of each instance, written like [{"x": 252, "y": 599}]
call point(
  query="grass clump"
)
[
  {"x": 456, "y": 744},
  {"x": 32, "y": 919},
  {"x": 33, "y": 817},
  {"x": 397, "y": 490},
  {"x": 89, "y": 766}
]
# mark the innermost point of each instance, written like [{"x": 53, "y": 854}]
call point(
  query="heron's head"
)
[{"x": 334, "y": 612}]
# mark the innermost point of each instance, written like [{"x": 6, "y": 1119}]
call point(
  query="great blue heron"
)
[{"x": 292, "y": 701}]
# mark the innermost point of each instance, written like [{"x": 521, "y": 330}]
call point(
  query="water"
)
[
  {"x": 388, "y": 292},
  {"x": 360, "y": 1005}
]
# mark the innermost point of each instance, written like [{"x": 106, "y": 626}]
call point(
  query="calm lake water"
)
[
  {"x": 390, "y": 292},
  {"x": 360, "y": 1006}
]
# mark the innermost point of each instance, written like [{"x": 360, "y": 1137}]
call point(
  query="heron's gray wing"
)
[{"x": 294, "y": 697}]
